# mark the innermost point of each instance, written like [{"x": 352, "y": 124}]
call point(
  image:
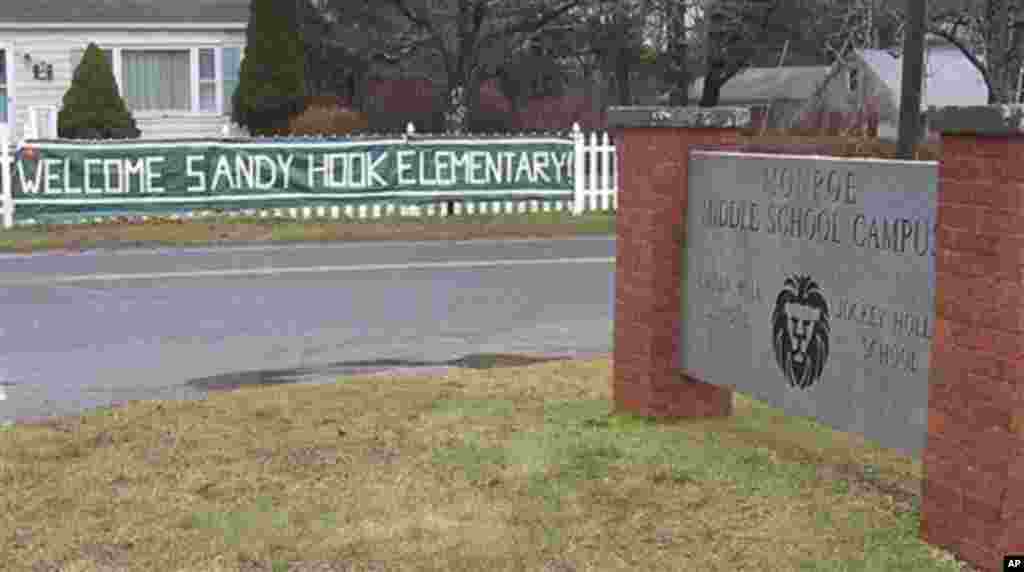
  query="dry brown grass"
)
[
  {"x": 819, "y": 143},
  {"x": 514, "y": 469},
  {"x": 165, "y": 232}
]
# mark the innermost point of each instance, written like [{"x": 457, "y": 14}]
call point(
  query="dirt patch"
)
[
  {"x": 559, "y": 566},
  {"x": 103, "y": 439},
  {"x": 22, "y": 536},
  {"x": 120, "y": 487},
  {"x": 263, "y": 456},
  {"x": 362, "y": 368},
  {"x": 382, "y": 455},
  {"x": 314, "y": 566},
  {"x": 313, "y": 456},
  {"x": 61, "y": 424},
  {"x": 905, "y": 491}
]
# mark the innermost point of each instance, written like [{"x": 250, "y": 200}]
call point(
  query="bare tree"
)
[
  {"x": 846, "y": 28},
  {"x": 614, "y": 35},
  {"x": 537, "y": 70},
  {"x": 332, "y": 68},
  {"x": 347, "y": 39},
  {"x": 467, "y": 40},
  {"x": 675, "y": 33},
  {"x": 733, "y": 28},
  {"x": 989, "y": 34}
]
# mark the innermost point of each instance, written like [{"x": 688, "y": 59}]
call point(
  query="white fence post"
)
[
  {"x": 606, "y": 172},
  {"x": 595, "y": 181},
  {"x": 45, "y": 128},
  {"x": 578, "y": 160},
  {"x": 6, "y": 166},
  {"x": 52, "y": 114},
  {"x": 32, "y": 129}
]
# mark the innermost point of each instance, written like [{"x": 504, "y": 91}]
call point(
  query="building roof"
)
[
  {"x": 124, "y": 11},
  {"x": 756, "y": 85},
  {"x": 951, "y": 79}
]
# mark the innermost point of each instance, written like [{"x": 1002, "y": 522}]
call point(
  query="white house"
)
[
  {"x": 783, "y": 90},
  {"x": 950, "y": 79},
  {"x": 869, "y": 84},
  {"x": 176, "y": 62}
]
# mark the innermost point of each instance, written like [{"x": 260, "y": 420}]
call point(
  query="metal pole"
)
[
  {"x": 1018, "y": 44},
  {"x": 913, "y": 75},
  {"x": 6, "y": 181}
]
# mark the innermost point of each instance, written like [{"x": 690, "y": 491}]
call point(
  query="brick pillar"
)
[
  {"x": 653, "y": 146},
  {"x": 973, "y": 490}
]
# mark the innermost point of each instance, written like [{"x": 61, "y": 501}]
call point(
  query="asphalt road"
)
[{"x": 83, "y": 330}]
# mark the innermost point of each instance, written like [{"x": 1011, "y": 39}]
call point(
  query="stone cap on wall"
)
[
  {"x": 998, "y": 119},
  {"x": 661, "y": 116}
]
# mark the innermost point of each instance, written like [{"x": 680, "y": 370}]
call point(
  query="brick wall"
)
[
  {"x": 973, "y": 491},
  {"x": 650, "y": 240},
  {"x": 650, "y": 237}
]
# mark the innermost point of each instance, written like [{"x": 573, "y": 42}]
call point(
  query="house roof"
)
[
  {"x": 754, "y": 85},
  {"x": 951, "y": 79},
  {"x": 124, "y": 11}
]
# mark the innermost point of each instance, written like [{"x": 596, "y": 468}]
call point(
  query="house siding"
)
[
  {"x": 854, "y": 107},
  {"x": 879, "y": 94},
  {"x": 873, "y": 106},
  {"x": 55, "y": 47},
  {"x": 837, "y": 107}
]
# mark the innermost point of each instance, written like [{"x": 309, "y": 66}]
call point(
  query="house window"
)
[
  {"x": 156, "y": 80},
  {"x": 207, "y": 80},
  {"x": 166, "y": 79},
  {"x": 3, "y": 86},
  {"x": 232, "y": 63},
  {"x": 853, "y": 79}
]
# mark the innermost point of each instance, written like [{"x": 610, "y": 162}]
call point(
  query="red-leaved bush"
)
[
  {"x": 328, "y": 121},
  {"x": 559, "y": 113},
  {"x": 391, "y": 104}
]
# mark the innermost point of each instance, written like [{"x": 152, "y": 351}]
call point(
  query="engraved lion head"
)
[{"x": 800, "y": 328}]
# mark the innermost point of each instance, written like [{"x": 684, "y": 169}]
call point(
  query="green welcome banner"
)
[{"x": 52, "y": 178}]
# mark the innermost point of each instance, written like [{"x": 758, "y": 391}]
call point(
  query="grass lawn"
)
[
  {"x": 503, "y": 469},
  {"x": 224, "y": 230}
]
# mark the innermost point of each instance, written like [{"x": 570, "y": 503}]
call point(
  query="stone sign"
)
[{"x": 809, "y": 283}]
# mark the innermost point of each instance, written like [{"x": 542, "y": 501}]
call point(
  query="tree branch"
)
[
  {"x": 530, "y": 25},
  {"x": 404, "y": 9},
  {"x": 965, "y": 50}
]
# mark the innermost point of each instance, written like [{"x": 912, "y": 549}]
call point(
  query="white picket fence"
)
[
  {"x": 595, "y": 178},
  {"x": 596, "y": 172}
]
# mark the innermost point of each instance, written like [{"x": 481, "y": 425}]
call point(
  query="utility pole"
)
[
  {"x": 913, "y": 76},
  {"x": 1018, "y": 48},
  {"x": 873, "y": 40}
]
